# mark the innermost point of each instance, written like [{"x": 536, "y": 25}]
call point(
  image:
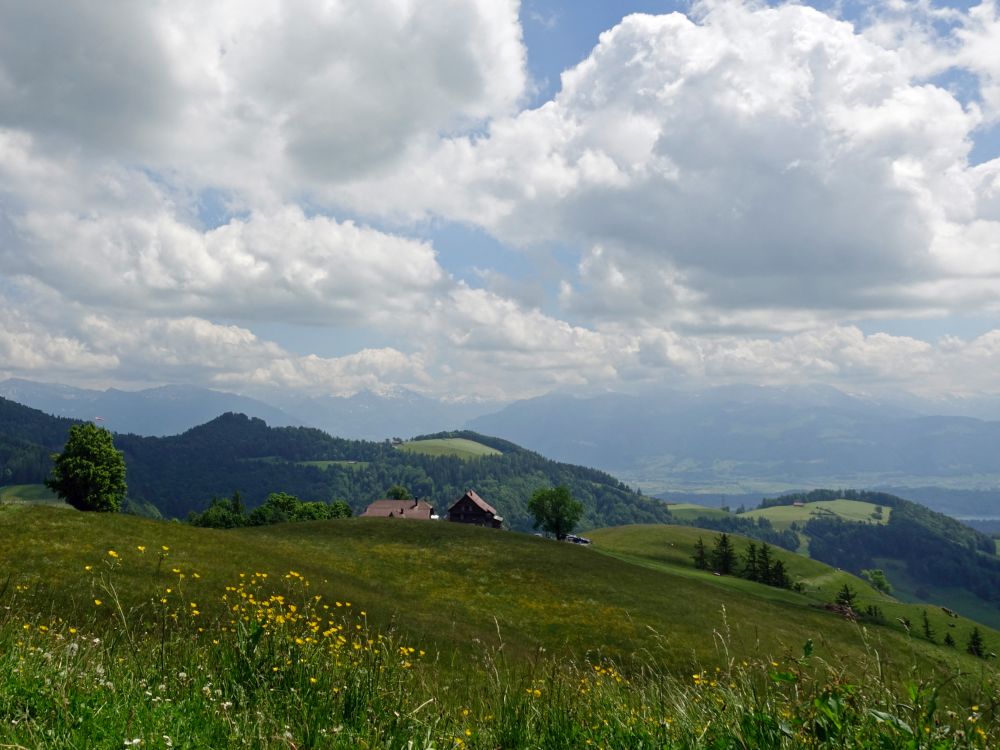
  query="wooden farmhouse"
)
[
  {"x": 470, "y": 508},
  {"x": 414, "y": 509}
]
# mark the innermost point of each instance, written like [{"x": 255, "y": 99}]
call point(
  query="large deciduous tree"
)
[
  {"x": 89, "y": 474},
  {"x": 555, "y": 510}
]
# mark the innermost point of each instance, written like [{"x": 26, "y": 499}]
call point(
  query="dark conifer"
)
[
  {"x": 700, "y": 555},
  {"x": 928, "y": 630},
  {"x": 724, "y": 556},
  {"x": 846, "y": 596},
  {"x": 750, "y": 567},
  {"x": 975, "y": 645},
  {"x": 778, "y": 577},
  {"x": 765, "y": 565}
]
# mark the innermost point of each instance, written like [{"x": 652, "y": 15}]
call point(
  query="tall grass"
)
[{"x": 270, "y": 664}]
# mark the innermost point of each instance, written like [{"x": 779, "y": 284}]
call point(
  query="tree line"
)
[
  {"x": 279, "y": 507},
  {"x": 757, "y": 564}
]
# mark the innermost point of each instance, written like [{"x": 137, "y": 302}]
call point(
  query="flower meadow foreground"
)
[{"x": 264, "y": 662}]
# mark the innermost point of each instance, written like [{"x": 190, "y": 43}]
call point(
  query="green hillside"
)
[
  {"x": 671, "y": 548},
  {"x": 389, "y": 634},
  {"x": 457, "y": 447},
  {"x": 450, "y": 586},
  {"x": 928, "y": 556},
  {"x": 27, "y": 439},
  {"x": 182, "y": 473}
]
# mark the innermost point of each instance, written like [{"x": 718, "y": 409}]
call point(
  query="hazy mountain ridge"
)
[
  {"x": 172, "y": 409},
  {"x": 165, "y": 410},
  {"x": 799, "y": 436},
  {"x": 367, "y": 415},
  {"x": 734, "y": 439}
]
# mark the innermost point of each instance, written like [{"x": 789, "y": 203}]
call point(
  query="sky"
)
[{"x": 492, "y": 199}]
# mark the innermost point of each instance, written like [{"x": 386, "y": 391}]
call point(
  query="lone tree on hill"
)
[
  {"x": 89, "y": 474},
  {"x": 975, "y": 646},
  {"x": 846, "y": 597},
  {"x": 555, "y": 510},
  {"x": 928, "y": 630}
]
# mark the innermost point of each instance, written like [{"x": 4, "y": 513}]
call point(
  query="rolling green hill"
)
[
  {"x": 671, "y": 548},
  {"x": 386, "y": 634},
  {"x": 928, "y": 556},
  {"x": 184, "y": 472},
  {"x": 453, "y": 587}
]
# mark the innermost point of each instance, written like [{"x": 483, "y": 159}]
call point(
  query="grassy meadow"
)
[
  {"x": 458, "y": 447},
  {"x": 120, "y": 631},
  {"x": 28, "y": 494},
  {"x": 690, "y": 511}
]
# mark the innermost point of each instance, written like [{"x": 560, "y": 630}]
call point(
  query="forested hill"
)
[
  {"x": 27, "y": 438},
  {"x": 182, "y": 473},
  {"x": 927, "y": 555}
]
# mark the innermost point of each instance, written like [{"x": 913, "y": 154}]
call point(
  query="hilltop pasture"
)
[
  {"x": 783, "y": 516},
  {"x": 462, "y": 448}
]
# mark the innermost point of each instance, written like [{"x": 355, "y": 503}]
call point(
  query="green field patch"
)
[
  {"x": 458, "y": 447},
  {"x": 783, "y": 516},
  {"x": 692, "y": 511},
  {"x": 29, "y": 494}
]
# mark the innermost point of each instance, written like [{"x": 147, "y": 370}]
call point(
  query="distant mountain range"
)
[
  {"x": 167, "y": 410},
  {"x": 172, "y": 409},
  {"x": 375, "y": 416},
  {"x": 734, "y": 440},
  {"x": 745, "y": 438}
]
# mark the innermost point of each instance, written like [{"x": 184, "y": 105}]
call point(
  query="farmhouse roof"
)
[
  {"x": 482, "y": 504},
  {"x": 387, "y": 508}
]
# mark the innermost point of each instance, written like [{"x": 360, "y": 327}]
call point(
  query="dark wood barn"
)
[{"x": 470, "y": 508}]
